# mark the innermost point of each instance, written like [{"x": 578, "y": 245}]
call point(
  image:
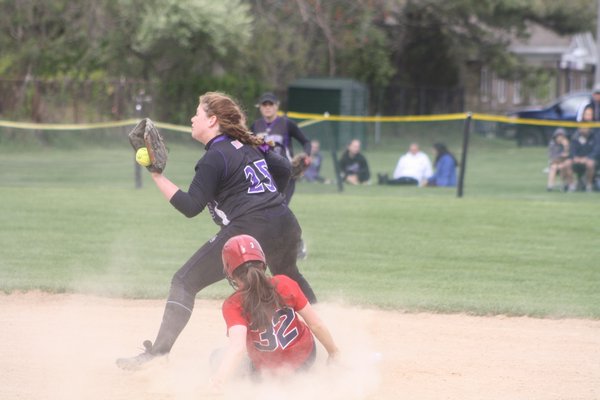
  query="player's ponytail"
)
[
  {"x": 259, "y": 297},
  {"x": 232, "y": 119}
]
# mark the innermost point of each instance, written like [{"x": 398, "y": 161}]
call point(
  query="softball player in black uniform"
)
[
  {"x": 280, "y": 131},
  {"x": 240, "y": 181}
]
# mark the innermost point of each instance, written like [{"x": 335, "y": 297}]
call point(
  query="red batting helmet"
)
[{"x": 239, "y": 250}]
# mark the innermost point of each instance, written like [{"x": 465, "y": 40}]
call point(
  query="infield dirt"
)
[{"x": 64, "y": 347}]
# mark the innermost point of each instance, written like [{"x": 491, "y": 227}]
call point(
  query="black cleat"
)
[{"x": 137, "y": 362}]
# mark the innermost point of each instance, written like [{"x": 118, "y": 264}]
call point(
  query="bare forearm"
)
[
  {"x": 234, "y": 354},
  {"x": 231, "y": 361},
  {"x": 319, "y": 329},
  {"x": 163, "y": 183},
  {"x": 324, "y": 336}
]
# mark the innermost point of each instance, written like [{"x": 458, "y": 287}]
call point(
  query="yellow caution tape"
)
[
  {"x": 310, "y": 119},
  {"x": 531, "y": 121},
  {"x": 77, "y": 127},
  {"x": 359, "y": 118},
  {"x": 179, "y": 128},
  {"x": 313, "y": 118},
  {"x": 67, "y": 127}
]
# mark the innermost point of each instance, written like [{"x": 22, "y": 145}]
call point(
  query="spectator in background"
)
[
  {"x": 445, "y": 167},
  {"x": 312, "y": 173},
  {"x": 594, "y": 104},
  {"x": 558, "y": 158},
  {"x": 279, "y": 131},
  {"x": 585, "y": 149},
  {"x": 413, "y": 168},
  {"x": 353, "y": 165}
]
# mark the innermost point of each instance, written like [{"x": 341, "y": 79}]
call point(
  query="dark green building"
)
[{"x": 335, "y": 96}]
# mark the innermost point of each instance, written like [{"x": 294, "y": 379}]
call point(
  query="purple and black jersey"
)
[
  {"x": 280, "y": 132},
  {"x": 234, "y": 180}
]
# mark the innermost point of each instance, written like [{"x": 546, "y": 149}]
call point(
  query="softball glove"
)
[
  {"x": 299, "y": 163},
  {"x": 146, "y": 135}
]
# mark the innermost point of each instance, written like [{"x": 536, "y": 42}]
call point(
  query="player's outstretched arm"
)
[
  {"x": 319, "y": 329},
  {"x": 236, "y": 349},
  {"x": 296, "y": 133},
  {"x": 163, "y": 183}
]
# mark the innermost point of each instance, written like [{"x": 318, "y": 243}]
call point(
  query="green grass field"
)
[{"x": 70, "y": 220}]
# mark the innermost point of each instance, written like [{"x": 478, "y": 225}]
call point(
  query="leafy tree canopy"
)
[{"x": 186, "y": 46}]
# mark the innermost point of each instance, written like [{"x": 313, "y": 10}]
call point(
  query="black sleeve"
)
[
  {"x": 185, "y": 204},
  {"x": 203, "y": 186},
  {"x": 280, "y": 169},
  {"x": 252, "y": 127},
  {"x": 364, "y": 173},
  {"x": 296, "y": 133}
]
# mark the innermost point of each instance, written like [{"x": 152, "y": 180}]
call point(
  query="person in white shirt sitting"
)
[{"x": 413, "y": 168}]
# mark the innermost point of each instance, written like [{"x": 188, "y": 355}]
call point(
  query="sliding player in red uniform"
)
[{"x": 262, "y": 317}]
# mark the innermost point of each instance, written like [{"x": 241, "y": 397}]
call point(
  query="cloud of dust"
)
[
  {"x": 68, "y": 345},
  {"x": 355, "y": 376}
]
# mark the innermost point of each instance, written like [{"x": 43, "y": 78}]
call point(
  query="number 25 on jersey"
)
[{"x": 260, "y": 178}]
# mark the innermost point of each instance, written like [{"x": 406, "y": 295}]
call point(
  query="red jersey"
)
[{"x": 288, "y": 342}]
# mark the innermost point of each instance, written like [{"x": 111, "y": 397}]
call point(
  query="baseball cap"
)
[
  {"x": 558, "y": 132},
  {"x": 596, "y": 88},
  {"x": 268, "y": 97}
]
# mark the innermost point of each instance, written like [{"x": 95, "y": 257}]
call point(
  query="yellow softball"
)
[{"x": 142, "y": 157}]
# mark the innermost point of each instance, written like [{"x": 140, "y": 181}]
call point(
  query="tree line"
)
[{"x": 185, "y": 47}]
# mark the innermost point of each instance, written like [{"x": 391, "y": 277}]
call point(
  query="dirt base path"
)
[{"x": 64, "y": 347}]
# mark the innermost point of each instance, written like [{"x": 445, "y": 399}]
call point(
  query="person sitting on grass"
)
[
  {"x": 585, "y": 149},
  {"x": 313, "y": 171},
  {"x": 353, "y": 165},
  {"x": 445, "y": 167},
  {"x": 558, "y": 157},
  {"x": 413, "y": 168}
]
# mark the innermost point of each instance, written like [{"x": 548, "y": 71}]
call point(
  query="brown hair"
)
[
  {"x": 259, "y": 297},
  {"x": 232, "y": 119}
]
